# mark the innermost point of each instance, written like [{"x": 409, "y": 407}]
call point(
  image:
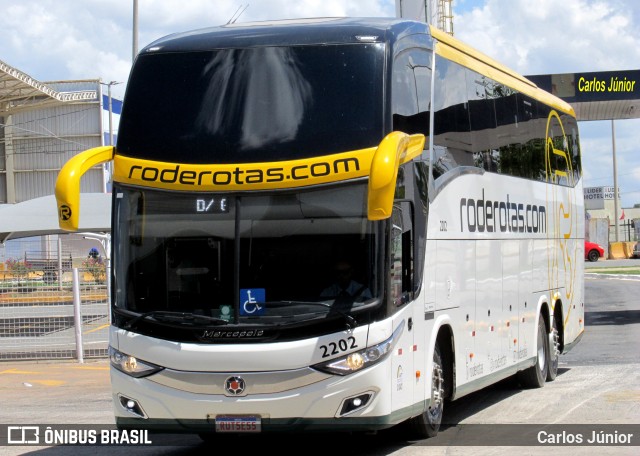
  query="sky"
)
[{"x": 54, "y": 40}]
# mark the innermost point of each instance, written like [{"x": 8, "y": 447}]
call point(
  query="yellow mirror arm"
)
[
  {"x": 395, "y": 149},
  {"x": 68, "y": 184}
]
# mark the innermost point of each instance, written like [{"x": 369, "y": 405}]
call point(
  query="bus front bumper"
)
[{"x": 327, "y": 404}]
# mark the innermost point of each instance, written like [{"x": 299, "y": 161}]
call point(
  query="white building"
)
[{"x": 43, "y": 125}]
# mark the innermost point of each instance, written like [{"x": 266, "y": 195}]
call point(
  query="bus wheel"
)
[
  {"x": 536, "y": 375},
  {"x": 554, "y": 351},
  {"x": 428, "y": 423}
]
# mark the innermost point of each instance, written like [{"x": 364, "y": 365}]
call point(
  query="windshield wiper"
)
[
  {"x": 351, "y": 322},
  {"x": 176, "y": 317}
]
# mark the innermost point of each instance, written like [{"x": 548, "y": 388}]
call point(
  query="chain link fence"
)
[
  {"x": 628, "y": 231},
  {"x": 37, "y": 301}
]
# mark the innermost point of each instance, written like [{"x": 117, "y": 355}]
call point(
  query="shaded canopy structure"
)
[
  {"x": 20, "y": 93},
  {"x": 39, "y": 216},
  {"x": 18, "y": 89}
]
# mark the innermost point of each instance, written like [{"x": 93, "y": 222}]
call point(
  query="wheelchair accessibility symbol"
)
[{"x": 250, "y": 300}]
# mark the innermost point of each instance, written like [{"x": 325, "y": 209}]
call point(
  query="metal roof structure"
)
[
  {"x": 27, "y": 101},
  {"x": 18, "y": 89}
]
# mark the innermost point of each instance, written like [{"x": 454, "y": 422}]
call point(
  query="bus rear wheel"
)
[
  {"x": 554, "y": 351},
  {"x": 428, "y": 423},
  {"x": 536, "y": 375}
]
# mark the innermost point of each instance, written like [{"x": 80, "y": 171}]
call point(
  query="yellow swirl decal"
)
[{"x": 563, "y": 217}]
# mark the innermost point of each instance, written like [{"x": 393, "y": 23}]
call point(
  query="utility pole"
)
[
  {"x": 111, "y": 110},
  {"x": 615, "y": 180},
  {"x": 110, "y": 103},
  {"x": 135, "y": 30}
]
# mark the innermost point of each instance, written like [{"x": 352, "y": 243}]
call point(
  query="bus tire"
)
[
  {"x": 428, "y": 423},
  {"x": 554, "y": 351},
  {"x": 536, "y": 375}
]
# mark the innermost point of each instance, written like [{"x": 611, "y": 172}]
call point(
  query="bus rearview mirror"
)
[
  {"x": 395, "y": 149},
  {"x": 68, "y": 184}
]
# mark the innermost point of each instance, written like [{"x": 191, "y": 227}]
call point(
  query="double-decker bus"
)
[{"x": 333, "y": 224}]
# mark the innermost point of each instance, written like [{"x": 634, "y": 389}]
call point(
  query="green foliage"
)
[
  {"x": 96, "y": 268},
  {"x": 18, "y": 268}
]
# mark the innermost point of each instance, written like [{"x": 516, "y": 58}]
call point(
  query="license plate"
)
[{"x": 242, "y": 423}]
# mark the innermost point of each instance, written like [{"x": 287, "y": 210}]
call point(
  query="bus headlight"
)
[
  {"x": 362, "y": 359},
  {"x": 131, "y": 365}
]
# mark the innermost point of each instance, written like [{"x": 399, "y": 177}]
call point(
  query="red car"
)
[{"x": 592, "y": 251}]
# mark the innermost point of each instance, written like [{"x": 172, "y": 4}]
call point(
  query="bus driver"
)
[{"x": 345, "y": 286}]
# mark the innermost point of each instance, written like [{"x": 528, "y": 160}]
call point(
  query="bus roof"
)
[
  {"x": 459, "y": 52},
  {"x": 336, "y": 30},
  {"x": 326, "y": 30}
]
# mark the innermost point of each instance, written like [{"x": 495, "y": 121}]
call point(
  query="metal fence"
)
[
  {"x": 628, "y": 231},
  {"x": 37, "y": 312}
]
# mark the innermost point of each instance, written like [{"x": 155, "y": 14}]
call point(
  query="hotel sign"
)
[{"x": 594, "y": 197}]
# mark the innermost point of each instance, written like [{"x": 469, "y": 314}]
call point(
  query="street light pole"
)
[
  {"x": 110, "y": 103},
  {"x": 135, "y": 30},
  {"x": 615, "y": 180},
  {"x": 111, "y": 111}
]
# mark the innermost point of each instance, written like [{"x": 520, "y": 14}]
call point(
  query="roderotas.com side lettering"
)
[{"x": 492, "y": 216}]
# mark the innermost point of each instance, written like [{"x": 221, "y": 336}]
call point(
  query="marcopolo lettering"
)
[
  {"x": 484, "y": 215},
  {"x": 241, "y": 175}
]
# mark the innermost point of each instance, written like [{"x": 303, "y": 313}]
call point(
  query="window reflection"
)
[{"x": 249, "y": 86}]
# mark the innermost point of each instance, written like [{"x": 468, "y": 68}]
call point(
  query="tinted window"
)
[
  {"x": 483, "y": 123},
  {"x": 253, "y": 105},
  {"x": 452, "y": 138},
  {"x": 411, "y": 91}
]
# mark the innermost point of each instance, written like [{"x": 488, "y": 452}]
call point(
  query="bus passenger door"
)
[{"x": 404, "y": 381}]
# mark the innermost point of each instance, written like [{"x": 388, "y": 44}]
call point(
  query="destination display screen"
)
[
  {"x": 211, "y": 205},
  {"x": 160, "y": 203}
]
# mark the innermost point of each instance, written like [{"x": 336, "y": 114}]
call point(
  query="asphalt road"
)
[{"x": 598, "y": 388}]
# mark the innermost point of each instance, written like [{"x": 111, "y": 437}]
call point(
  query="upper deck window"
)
[{"x": 254, "y": 104}]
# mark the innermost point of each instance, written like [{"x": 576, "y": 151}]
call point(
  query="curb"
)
[{"x": 598, "y": 275}]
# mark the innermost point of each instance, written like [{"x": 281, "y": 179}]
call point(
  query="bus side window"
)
[
  {"x": 452, "y": 138},
  {"x": 411, "y": 91},
  {"x": 401, "y": 257}
]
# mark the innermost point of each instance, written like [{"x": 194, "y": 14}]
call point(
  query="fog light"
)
[
  {"x": 132, "y": 406},
  {"x": 355, "y": 403}
]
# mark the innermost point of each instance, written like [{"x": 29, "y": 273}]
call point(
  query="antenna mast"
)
[
  {"x": 438, "y": 13},
  {"x": 237, "y": 14}
]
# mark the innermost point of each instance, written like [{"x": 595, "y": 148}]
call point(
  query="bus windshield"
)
[
  {"x": 268, "y": 259},
  {"x": 250, "y": 105}
]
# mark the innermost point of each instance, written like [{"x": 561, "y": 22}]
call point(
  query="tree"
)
[{"x": 18, "y": 268}]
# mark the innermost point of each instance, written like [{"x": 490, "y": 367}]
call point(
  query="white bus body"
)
[{"x": 465, "y": 222}]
